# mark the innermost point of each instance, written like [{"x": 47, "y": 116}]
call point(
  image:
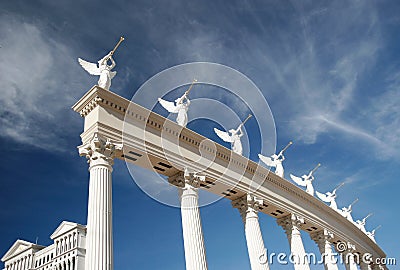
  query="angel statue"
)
[
  {"x": 346, "y": 211},
  {"x": 371, "y": 234},
  {"x": 181, "y": 106},
  {"x": 306, "y": 180},
  {"x": 361, "y": 223},
  {"x": 276, "y": 160},
  {"x": 330, "y": 197},
  {"x": 103, "y": 68},
  {"x": 234, "y": 138}
]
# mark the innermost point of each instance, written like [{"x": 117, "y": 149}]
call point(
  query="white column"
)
[
  {"x": 23, "y": 263},
  {"x": 99, "y": 245},
  {"x": 348, "y": 257},
  {"x": 365, "y": 265},
  {"x": 248, "y": 207},
  {"x": 377, "y": 267},
  {"x": 195, "y": 254},
  {"x": 31, "y": 262},
  {"x": 322, "y": 238},
  {"x": 291, "y": 225}
]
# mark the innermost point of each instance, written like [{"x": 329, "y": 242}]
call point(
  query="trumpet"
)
[
  {"x": 316, "y": 167},
  {"x": 248, "y": 117},
  {"x": 190, "y": 87},
  {"x": 286, "y": 147},
  {"x": 116, "y": 46}
]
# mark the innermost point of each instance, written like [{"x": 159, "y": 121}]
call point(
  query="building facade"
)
[{"x": 66, "y": 253}]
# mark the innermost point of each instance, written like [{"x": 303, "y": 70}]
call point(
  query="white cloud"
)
[
  {"x": 38, "y": 85},
  {"x": 384, "y": 117}
]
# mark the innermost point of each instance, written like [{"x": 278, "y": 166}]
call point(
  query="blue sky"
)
[{"x": 330, "y": 71}]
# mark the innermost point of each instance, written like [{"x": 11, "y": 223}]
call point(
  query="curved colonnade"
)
[{"x": 116, "y": 128}]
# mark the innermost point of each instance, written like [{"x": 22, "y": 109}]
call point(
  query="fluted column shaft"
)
[
  {"x": 99, "y": 239},
  {"x": 348, "y": 258},
  {"x": 291, "y": 225},
  {"x": 193, "y": 240},
  {"x": 248, "y": 207},
  {"x": 322, "y": 239}
]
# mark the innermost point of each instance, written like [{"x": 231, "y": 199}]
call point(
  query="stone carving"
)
[
  {"x": 371, "y": 234},
  {"x": 276, "y": 160},
  {"x": 247, "y": 205},
  {"x": 330, "y": 197},
  {"x": 346, "y": 211},
  {"x": 103, "y": 68},
  {"x": 234, "y": 138},
  {"x": 181, "y": 106},
  {"x": 306, "y": 180},
  {"x": 361, "y": 223},
  {"x": 100, "y": 150}
]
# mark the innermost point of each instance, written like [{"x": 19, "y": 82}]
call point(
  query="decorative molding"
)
[
  {"x": 100, "y": 150},
  {"x": 321, "y": 237},
  {"x": 186, "y": 179},
  {"x": 290, "y": 223},
  {"x": 275, "y": 191},
  {"x": 248, "y": 205}
]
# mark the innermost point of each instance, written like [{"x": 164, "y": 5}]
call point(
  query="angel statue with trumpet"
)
[
  {"x": 371, "y": 234},
  {"x": 346, "y": 211},
  {"x": 361, "y": 223},
  {"x": 306, "y": 180},
  {"x": 103, "y": 68},
  {"x": 276, "y": 160},
  {"x": 330, "y": 197},
  {"x": 181, "y": 106},
  {"x": 234, "y": 138}
]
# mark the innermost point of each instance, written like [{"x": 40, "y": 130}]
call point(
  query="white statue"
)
[
  {"x": 181, "y": 106},
  {"x": 103, "y": 69},
  {"x": 276, "y": 160},
  {"x": 346, "y": 211},
  {"x": 234, "y": 138},
  {"x": 371, "y": 234},
  {"x": 330, "y": 197},
  {"x": 306, "y": 180},
  {"x": 361, "y": 223}
]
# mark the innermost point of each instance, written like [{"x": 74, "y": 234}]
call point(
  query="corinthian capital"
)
[
  {"x": 290, "y": 222},
  {"x": 321, "y": 237},
  {"x": 247, "y": 204},
  {"x": 186, "y": 179},
  {"x": 100, "y": 150}
]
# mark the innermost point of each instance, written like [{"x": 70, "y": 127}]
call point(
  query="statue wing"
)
[
  {"x": 89, "y": 67},
  {"x": 298, "y": 180},
  {"x": 323, "y": 197},
  {"x": 267, "y": 160},
  {"x": 223, "y": 135},
  {"x": 112, "y": 74},
  {"x": 168, "y": 105}
]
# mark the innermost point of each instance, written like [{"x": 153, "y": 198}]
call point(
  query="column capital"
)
[
  {"x": 247, "y": 204},
  {"x": 100, "y": 150},
  {"x": 290, "y": 221},
  {"x": 321, "y": 237},
  {"x": 377, "y": 267},
  {"x": 184, "y": 178},
  {"x": 351, "y": 248}
]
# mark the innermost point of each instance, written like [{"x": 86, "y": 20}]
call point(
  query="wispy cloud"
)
[{"x": 39, "y": 82}]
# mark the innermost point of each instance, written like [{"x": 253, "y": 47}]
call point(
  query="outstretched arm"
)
[
  {"x": 103, "y": 61},
  {"x": 239, "y": 129},
  {"x": 187, "y": 100},
  {"x": 112, "y": 62}
]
